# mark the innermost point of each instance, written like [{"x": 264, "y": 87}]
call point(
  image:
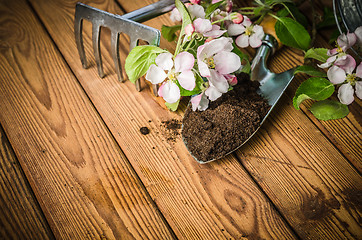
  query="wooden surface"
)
[{"x": 77, "y": 167}]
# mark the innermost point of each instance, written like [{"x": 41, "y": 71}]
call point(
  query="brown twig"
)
[
  {"x": 314, "y": 19},
  {"x": 314, "y": 29}
]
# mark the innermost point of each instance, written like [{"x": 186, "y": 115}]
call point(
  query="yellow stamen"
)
[
  {"x": 339, "y": 49},
  {"x": 211, "y": 63},
  {"x": 249, "y": 30},
  {"x": 351, "y": 79},
  {"x": 171, "y": 75}
]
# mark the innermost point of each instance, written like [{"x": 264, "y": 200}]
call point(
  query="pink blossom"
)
[
  {"x": 199, "y": 102},
  {"x": 338, "y": 55},
  {"x": 177, "y": 70},
  {"x": 169, "y": 91},
  {"x": 205, "y": 27},
  {"x": 249, "y": 34},
  {"x": 348, "y": 79},
  {"x": 195, "y": 10},
  {"x": 216, "y": 61},
  {"x": 346, "y": 41}
]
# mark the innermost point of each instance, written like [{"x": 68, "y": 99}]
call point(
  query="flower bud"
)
[
  {"x": 195, "y": 1},
  {"x": 229, "y": 6},
  {"x": 189, "y": 29},
  {"x": 236, "y": 17},
  {"x": 232, "y": 79}
]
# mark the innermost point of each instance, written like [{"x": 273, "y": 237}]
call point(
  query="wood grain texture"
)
[
  {"x": 304, "y": 174},
  {"x": 295, "y": 160},
  {"x": 214, "y": 201},
  {"x": 83, "y": 181},
  {"x": 20, "y": 214},
  {"x": 309, "y": 181}
]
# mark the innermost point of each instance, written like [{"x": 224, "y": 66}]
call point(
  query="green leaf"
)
[
  {"x": 283, "y": 12},
  {"x": 290, "y": 8},
  {"x": 139, "y": 60},
  {"x": 271, "y": 3},
  {"x": 319, "y": 54},
  {"x": 186, "y": 18},
  {"x": 315, "y": 88},
  {"x": 168, "y": 32},
  {"x": 172, "y": 106},
  {"x": 310, "y": 70},
  {"x": 329, "y": 109},
  {"x": 258, "y": 10},
  {"x": 292, "y": 33},
  {"x": 211, "y": 8}
]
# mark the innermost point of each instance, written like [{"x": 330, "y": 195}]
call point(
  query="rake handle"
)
[{"x": 151, "y": 11}]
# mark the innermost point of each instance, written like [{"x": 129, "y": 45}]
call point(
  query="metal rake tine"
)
[
  {"x": 78, "y": 31},
  {"x": 96, "y": 34},
  {"x": 115, "y": 54}
]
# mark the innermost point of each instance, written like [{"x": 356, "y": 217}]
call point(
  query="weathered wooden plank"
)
[
  {"x": 301, "y": 170},
  {"x": 20, "y": 214},
  {"x": 82, "y": 179},
  {"x": 213, "y": 201},
  {"x": 308, "y": 180}
]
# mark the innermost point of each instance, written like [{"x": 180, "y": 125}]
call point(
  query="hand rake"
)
[{"x": 127, "y": 24}]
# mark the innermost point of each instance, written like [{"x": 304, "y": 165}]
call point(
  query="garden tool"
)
[
  {"x": 127, "y": 24},
  {"x": 272, "y": 85}
]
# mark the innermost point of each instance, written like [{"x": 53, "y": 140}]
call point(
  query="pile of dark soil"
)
[{"x": 227, "y": 123}]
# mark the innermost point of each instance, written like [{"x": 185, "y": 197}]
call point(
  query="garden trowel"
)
[{"x": 272, "y": 85}]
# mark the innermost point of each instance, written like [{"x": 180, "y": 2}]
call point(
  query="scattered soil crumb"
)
[
  {"x": 227, "y": 123},
  {"x": 144, "y": 130},
  {"x": 172, "y": 128}
]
